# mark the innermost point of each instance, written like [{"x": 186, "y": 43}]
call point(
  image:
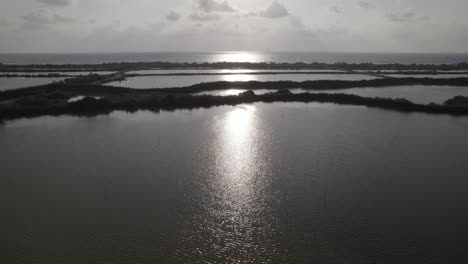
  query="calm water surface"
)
[
  {"x": 142, "y": 82},
  {"x": 261, "y": 183}
]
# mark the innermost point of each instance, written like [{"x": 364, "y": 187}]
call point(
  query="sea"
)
[{"x": 234, "y": 56}]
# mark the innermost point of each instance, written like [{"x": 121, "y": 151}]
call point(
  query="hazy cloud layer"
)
[
  {"x": 41, "y": 19},
  {"x": 204, "y": 17},
  {"x": 211, "y": 25},
  {"x": 401, "y": 16},
  {"x": 55, "y": 2},
  {"x": 3, "y": 21}
]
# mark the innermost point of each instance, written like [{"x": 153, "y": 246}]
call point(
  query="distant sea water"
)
[{"x": 277, "y": 57}]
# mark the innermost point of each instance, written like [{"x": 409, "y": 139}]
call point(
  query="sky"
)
[{"x": 233, "y": 25}]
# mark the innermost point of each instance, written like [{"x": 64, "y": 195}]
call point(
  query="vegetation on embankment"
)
[
  {"x": 457, "y": 101},
  {"x": 317, "y": 85}
]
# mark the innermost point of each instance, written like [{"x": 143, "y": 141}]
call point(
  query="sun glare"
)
[
  {"x": 239, "y": 57},
  {"x": 238, "y": 125},
  {"x": 239, "y": 78}
]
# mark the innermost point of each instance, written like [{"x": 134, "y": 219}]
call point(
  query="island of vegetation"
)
[{"x": 54, "y": 99}]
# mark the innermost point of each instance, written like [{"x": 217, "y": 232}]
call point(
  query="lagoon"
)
[{"x": 281, "y": 183}]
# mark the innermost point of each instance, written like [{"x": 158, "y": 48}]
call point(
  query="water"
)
[
  {"x": 230, "y": 92},
  {"x": 417, "y": 93},
  {"x": 291, "y": 57},
  {"x": 228, "y": 71},
  {"x": 261, "y": 183},
  {"x": 58, "y": 72},
  {"x": 142, "y": 82},
  {"x": 393, "y": 72},
  {"x": 80, "y": 97},
  {"x": 22, "y": 82},
  {"x": 437, "y": 76}
]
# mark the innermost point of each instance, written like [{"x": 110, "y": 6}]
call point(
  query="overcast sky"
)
[{"x": 233, "y": 25}]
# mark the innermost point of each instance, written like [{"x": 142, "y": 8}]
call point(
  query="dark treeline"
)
[
  {"x": 228, "y": 65},
  {"x": 94, "y": 78}
]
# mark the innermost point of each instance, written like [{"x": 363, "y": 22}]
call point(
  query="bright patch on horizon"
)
[{"x": 239, "y": 57}]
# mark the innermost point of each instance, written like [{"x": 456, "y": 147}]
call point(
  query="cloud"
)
[
  {"x": 173, "y": 16},
  {"x": 364, "y": 4},
  {"x": 299, "y": 26},
  {"x": 62, "y": 19},
  {"x": 407, "y": 16},
  {"x": 336, "y": 9},
  {"x": 401, "y": 16},
  {"x": 275, "y": 10},
  {"x": 199, "y": 17},
  {"x": 425, "y": 18},
  {"x": 215, "y": 6},
  {"x": 41, "y": 19},
  {"x": 56, "y": 2},
  {"x": 3, "y": 21}
]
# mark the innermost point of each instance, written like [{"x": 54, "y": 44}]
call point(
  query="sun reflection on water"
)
[
  {"x": 239, "y": 78},
  {"x": 236, "y": 219},
  {"x": 231, "y": 92},
  {"x": 239, "y": 56},
  {"x": 237, "y": 142},
  {"x": 237, "y": 71}
]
